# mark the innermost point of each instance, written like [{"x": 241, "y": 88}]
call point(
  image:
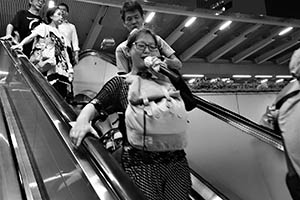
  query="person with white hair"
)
[{"x": 288, "y": 117}]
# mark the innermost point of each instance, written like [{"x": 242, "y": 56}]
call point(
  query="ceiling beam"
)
[
  {"x": 256, "y": 47},
  {"x": 264, "y": 57},
  {"x": 203, "y": 13},
  {"x": 231, "y": 44},
  {"x": 177, "y": 33},
  {"x": 188, "y": 53},
  {"x": 284, "y": 59},
  {"x": 95, "y": 28}
]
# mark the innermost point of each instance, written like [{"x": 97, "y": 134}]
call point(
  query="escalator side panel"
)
[
  {"x": 62, "y": 178},
  {"x": 9, "y": 184},
  {"x": 237, "y": 164},
  {"x": 249, "y": 105}
]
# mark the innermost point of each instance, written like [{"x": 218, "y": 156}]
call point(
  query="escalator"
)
[
  {"x": 40, "y": 161},
  {"x": 237, "y": 156},
  {"x": 227, "y": 150},
  {"x": 43, "y": 161}
]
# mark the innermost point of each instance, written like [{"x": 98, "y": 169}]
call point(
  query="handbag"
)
[
  {"x": 155, "y": 118},
  {"x": 43, "y": 54}
]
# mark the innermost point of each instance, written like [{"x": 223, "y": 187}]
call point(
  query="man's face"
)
[
  {"x": 133, "y": 20},
  {"x": 64, "y": 11},
  {"x": 37, "y": 4}
]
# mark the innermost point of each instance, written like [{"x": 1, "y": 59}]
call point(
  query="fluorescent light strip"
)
[
  {"x": 225, "y": 25},
  {"x": 284, "y": 76},
  {"x": 3, "y": 73},
  {"x": 190, "y": 21},
  {"x": 241, "y": 76},
  {"x": 279, "y": 80},
  {"x": 285, "y": 31},
  {"x": 192, "y": 75},
  {"x": 150, "y": 17},
  {"x": 263, "y": 76}
]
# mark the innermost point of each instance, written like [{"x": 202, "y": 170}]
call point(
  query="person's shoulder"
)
[
  {"x": 158, "y": 37},
  {"x": 71, "y": 24},
  {"x": 121, "y": 46},
  {"x": 22, "y": 12},
  {"x": 118, "y": 78},
  {"x": 43, "y": 25},
  {"x": 160, "y": 41},
  {"x": 67, "y": 23}
]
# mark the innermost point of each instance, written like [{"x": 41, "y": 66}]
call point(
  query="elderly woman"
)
[
  {"x": 162, "y": 175},
  {"x": 49, "y": 53}
]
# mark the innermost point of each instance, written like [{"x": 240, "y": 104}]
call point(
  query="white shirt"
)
[{"x": 70, "y": 34}]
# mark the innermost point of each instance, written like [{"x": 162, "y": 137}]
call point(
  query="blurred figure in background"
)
[
  {"x": 24, "y": 22},
  {"x": 50, "y": 52},
  {"x": 70, "y": 34},
  {"x": 283, "y": 116},
  {"x": 69, "y": 31}
]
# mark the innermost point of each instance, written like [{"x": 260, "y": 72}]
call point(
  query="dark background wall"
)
[{"x": 279, "y": 8}]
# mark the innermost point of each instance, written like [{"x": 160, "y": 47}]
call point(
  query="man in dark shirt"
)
[{"x": 23, "y": 22}]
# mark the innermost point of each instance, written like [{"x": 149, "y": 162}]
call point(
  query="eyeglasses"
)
[{"x": 142, "y": 46}]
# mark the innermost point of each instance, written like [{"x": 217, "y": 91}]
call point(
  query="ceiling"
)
[{"x": 250, "y": 45}]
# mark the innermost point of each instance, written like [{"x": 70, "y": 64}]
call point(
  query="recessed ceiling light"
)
[{"x": 241, "y": 76}]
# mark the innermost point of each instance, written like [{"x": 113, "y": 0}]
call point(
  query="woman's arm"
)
[
  {"x": 26, "y": 40},
  {"x": 82, "y": 125},
  {"x": 106, "y": 100}
]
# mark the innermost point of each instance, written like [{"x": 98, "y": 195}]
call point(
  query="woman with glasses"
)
[
  {"x": 163, "y": 175},
  {"x": 132, "y": 15}
]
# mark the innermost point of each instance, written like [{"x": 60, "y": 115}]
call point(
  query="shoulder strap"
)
[
  {"x": 281, "y": 101},
  {"x": 278, "y": 104}
]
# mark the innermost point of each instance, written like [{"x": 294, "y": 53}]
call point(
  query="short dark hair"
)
[
  {"x": 130, "y": 6},
  {"x": 65, "y": 5},
  {"x": 50, "y": 12},
  {"x": 133, "y": 36}
]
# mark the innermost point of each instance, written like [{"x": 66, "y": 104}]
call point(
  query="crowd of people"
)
[{"x": 51, "y": 44}]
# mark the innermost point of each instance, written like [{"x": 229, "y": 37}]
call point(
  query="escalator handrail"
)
[
  {"x": 117, "y": 179},
  {"x": 265, "y": 134}
]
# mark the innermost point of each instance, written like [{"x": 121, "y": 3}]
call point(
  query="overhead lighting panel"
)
[
  {"x": 225, "y": 25},
  {"x": 149, "y": 17},
  {"x": 192, "y": 75},
  {"x": 241, "y": 76},
  {"x": 284, "y": 76},
  {"x": 285, "y": 31},
  {"x": 263, "y": 76},
  {"x": 190, "y": 21}
]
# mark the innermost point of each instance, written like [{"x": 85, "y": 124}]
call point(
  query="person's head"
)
[
  {"x": 295, "y": 64},
  {"x": 64, "y": 9},
  {"x": 36, "y": 4},
  {"x": 140, "y": 44},
  {"x": 54, "y": 15},
  {"x": 132, "y": 15}
]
